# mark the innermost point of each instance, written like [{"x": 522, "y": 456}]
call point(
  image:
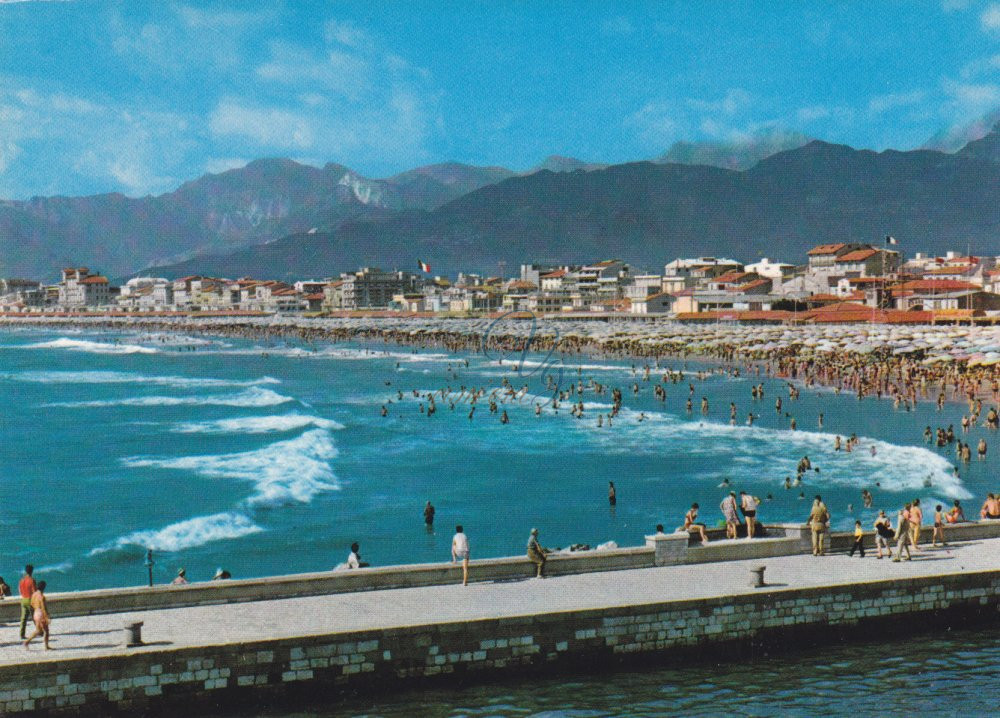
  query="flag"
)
[
  {"x": 425, "y": 268},
  {"x": 891, "y": 240}
]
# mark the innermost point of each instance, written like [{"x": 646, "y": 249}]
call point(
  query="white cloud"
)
[
  {"x": 982, "y": 66},
  {"x": 735, "y": 100},
  {"x": 350, "y": 98},
  {"x": 812, "y": 113},
  {"x": 990, "y": 17},
  {"x": 972, "y": 96},
  {"x": 345, "y": 33},
  {"x": 269, "y": 126},
  {"x": 892, "y": 101},
  {"x": 123, "y": 147},
  {"x": 338, "y": 72},
  {"x": 617, "y": 26},
  {"x": 217, "y": 165}
]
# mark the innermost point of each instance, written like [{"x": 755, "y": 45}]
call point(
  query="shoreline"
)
[{"x": 864, "y": 359}]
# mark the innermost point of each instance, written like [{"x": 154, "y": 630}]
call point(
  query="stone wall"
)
[
  {"x": 660, "y": 550},
  {"x": 170, "y": 682}
]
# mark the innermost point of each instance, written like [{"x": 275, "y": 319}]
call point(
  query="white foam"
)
[
  {"x": 82, "y": 345},
  {"x": 118, "y": 377},
  {"x": 186, "y": 534},
  {"x": 257, "y": 424},
  {"x": 252, "y": 397},
  {"x": 283, "y": 472},
  {"x": 329, "y": 352},
  {"x": 774, "y": 453},
  {"x": 55, "y": 568}
]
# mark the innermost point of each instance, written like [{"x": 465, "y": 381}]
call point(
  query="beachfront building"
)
[
  {"x": 333, "y": 296},
  {"x": 685, "y": 273},
  {"x": 372, "y": 288},
  {"x": 867, "y": 262},
  {"x": 771, "y": 270},
  {"x": 80, "y": 289},
  {"x": 18, "y": 295},
  {"x": 547, "y": 302},
  {"x": 823, "y": 257},
  {"x": 473, "y": 300},
  {"x": 640, "y": 286},
  {"x": 659, "y": 303},
  {"x": 515, "y": 295},
  {"x": 145, "y": 294}
]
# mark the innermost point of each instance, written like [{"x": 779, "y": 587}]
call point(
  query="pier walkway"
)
[{"x": 239, "y": 623}]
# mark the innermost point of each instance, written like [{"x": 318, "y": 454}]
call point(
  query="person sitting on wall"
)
[
  {"x": 955, "y": 514},
  {"x": 692, "y": 526}
]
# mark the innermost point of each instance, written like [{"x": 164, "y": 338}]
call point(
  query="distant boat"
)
[{"x": 312, "y": 231}]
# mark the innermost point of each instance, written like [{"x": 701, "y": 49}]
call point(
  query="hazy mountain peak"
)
[
  {"x": 560, "y": 163},
  {"x": 986, "y": 147},
  {"x": 736, "y": 155}
]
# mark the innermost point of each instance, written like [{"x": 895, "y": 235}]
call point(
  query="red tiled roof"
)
[
  {"x": 94, "y": 280},
  {"x": 555, "y": 275},
  {"x": 823, "y": 249},
  {"x": 858, "y": 255},
  {"x": 754, "y": 284}
]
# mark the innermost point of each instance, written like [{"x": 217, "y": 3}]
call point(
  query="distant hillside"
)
[
  {"x": 647, "y": 213},
  {"x": 735, "y": 155},
  {"x": 267, "y": 199}
]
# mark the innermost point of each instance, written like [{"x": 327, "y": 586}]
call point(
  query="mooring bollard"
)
[
  {"x": 757, "y": 577},
  {"x": 133, "y": 634}
]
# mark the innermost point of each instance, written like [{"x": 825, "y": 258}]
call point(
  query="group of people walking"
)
[{"x": 33, "y": 606}]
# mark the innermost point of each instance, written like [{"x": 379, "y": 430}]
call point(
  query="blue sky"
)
[{"x": 138, "y": 97}]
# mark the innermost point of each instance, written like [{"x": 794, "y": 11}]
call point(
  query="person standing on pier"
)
[
  {"x": 903, "y": 534},
  {"x": 26, "y": 588},
  {"x": 748, "y": 505},
  {"x": 916, "y": 519},
  {"x": 536, "y": 554},
  {"x": 40, "y": 607},
  {"x": 460, "y": 552},
  {"x": 729, "y": 511},
  {"x": 819, "y": 519}
]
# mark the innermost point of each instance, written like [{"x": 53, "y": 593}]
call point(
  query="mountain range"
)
[{"x": 776, "y": 196}]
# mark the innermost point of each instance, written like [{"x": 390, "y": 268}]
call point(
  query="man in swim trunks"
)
[
  {"x": 991, "y": 508},
  {"x": 916, "y": 519},
  {"x": 748, "y": 504}
]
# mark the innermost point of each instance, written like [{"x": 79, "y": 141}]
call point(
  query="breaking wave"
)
[
  {"x": 118, "y": 377},
  {"x": 83, "y": 345},
  {"x": 283, "y": 472},
  {"x": 186, "y": 534},
  {"x": 257, "y": 424},
  {"x": 252, "y": 397}
]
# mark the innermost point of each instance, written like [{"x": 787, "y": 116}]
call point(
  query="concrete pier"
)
[{"x": 197, "y": 656}]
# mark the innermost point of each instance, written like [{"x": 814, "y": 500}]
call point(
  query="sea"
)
[{"x": 271, "y": 456}]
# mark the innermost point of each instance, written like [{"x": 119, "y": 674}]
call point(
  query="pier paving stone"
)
[{"x": 189, "y": 627}]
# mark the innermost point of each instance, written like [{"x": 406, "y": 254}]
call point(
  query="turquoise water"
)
[{"x": 268, "y": 458}]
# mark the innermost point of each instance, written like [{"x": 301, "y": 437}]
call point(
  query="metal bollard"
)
[
  {"x": 133, "y": 634},
  {"x": 757, "y": 577}
]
